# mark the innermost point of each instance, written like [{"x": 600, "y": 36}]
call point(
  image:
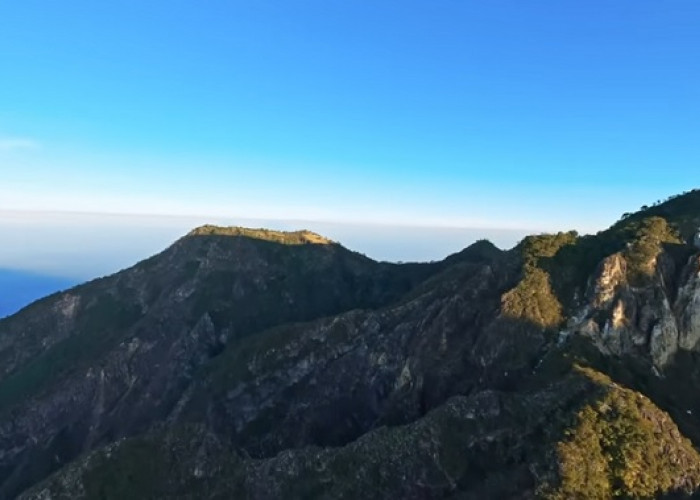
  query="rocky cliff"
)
[{"x": 259, "y": 364}]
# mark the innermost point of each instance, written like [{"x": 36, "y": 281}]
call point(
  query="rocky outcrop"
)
[
  {"x": 687, "y": 306},
  {"x": 298, "y": 385},
  {"x": 654, "y": 319},
  {"x": 261, "y": 364},
  {"x": 491, "y": 444},
  {"x": 112, "y": 357}
]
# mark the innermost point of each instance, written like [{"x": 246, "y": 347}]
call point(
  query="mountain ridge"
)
[
  {"x": 297, "y": 237},
  {"x": 562, "y": 326}
]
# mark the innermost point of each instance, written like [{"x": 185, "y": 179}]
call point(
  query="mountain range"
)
[{"x": 249, "y": 363}]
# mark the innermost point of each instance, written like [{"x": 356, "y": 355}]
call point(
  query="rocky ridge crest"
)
[{"x": 236, "y": 362}]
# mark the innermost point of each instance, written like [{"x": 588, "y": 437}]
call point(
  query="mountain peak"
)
[
  {"x": 682, "y": 211},
  {"x": 300, "y": 237},
  {"x": 256, "y": 363}
]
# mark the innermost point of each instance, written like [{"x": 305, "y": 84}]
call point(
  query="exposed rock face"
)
[
  {"x": 611, "y": 276},
  {"x": 491, "y": 444},
  {"x": 687, "y": 306},
  {"x": 412, "y": 356},
  {"x": 654, "y": 319},
  {"x": 110, "y": 358},
  {"x": 260, "y": 364}
]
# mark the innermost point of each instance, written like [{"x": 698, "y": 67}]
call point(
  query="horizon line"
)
[{"x": 360, "y": 223}]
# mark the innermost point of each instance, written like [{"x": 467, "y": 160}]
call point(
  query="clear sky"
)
[{"x": 537, "y": 115}]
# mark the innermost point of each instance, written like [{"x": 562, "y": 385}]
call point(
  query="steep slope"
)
[
  {"x": 581, "y": 437},
  {"x": 19, "y": 288},
  {"x": 636, "y": 316},
  {"x": 109, "y": 358},
  {"x": 328, "y": 382},
  {"x": 556, "y": 370}
]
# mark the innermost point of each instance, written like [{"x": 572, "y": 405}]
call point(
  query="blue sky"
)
[{"x": 540, "y": 115}]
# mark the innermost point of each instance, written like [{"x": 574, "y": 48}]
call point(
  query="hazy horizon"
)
[
  {"x": 404, "y": 134},
  {"x": 83, "y": 246},
  {"x": 44, "y": 252}
]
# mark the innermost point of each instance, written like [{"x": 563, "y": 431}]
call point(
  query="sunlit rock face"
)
[
  {"x": 622, "y": 319},
  {"x": 259, "y": 364},
  {"x": 654, "y": 320}
]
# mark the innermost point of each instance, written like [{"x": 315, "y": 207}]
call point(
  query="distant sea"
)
[
  {"x": 21, "y": 288},
  {"x": 81, "y": 247}
]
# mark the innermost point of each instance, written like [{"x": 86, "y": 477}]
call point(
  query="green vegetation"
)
[
  {"x": 101, "y": 327},
  {"x": 283, "y": 237},
  {"x": 589, "y": 437},
  {"x": 533, "y": 299},
  {"x": 682, "y": 212},
  {"x": 623, "y": 446},
  {"x": 396, "y": 462},
  {"x": 641, "y": 253},
  {"x": 540, "y": 246},
  {"x": 666, "y": 225},
  {"x": 675, "y": 392},
  {"x": 478, "y": 252},
  {"x": 297, "y": 284},
  {"x": 175, "y": 464},
  {"x": 557, "y": 267}
]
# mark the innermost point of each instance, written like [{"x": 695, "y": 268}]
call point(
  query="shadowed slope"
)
[
  {"x": 110, "y": 357},
  {"x": 275, "y": 364}
]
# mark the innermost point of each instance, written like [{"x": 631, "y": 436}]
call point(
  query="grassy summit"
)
[
  {"x": 268, "y": 364},
  {"x": 284, "y": 237}
]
